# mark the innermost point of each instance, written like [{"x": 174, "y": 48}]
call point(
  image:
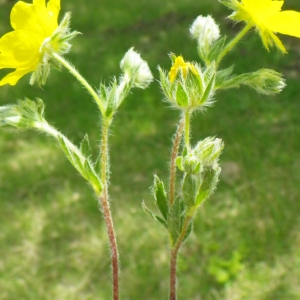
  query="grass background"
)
[{"x": 246, "y": 238}]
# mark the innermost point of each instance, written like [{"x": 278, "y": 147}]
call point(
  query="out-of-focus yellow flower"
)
[
  {"x": 22, "y": 49},
  {"x": 266, "y": 16},
  {"x": 180, "y": 64}
]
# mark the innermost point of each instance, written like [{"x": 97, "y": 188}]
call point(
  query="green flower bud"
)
[
  {"x": 187, "y": 86},
  {"x": 209, "y": 150}
]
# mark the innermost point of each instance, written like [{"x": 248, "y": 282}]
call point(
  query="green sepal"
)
[
  {"x": 85, "y": 147},
  {"x": 154, "y": 216},
  {"x": 175, "y": 220},
  {"x": 165, "y": 83},
  {"x": 209, "y": 90},
  {"x": 190, "y": 188},
  {"x": 160, "y": 196},
  {"x": 182, "y": 98},
  {"x": 178, "y": 162}
]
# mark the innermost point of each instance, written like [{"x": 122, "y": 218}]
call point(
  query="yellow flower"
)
[
  {"x": 180, "y": 64},
  {"x": 22, "y": 49},
  {"x": 266, "y": 16}
]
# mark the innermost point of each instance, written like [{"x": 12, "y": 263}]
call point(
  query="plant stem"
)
[
  {"x": 233, "y": 42},
  {"x": 174, "y": 153},
  {"x": 103, "y": 198},
  {"x": 187, "y": 130},
  {"x": 78, "y": 76},
  {"x": 173, "y": 258}
]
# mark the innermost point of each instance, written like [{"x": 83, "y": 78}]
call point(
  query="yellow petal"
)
[
  {"x": 13, "y": 77},
  {"x": 34, "y": 18},
  {"x": 54, "y": 7},
  {"x": 286, "y": 22},
  {"x": 19, "y": 49}
]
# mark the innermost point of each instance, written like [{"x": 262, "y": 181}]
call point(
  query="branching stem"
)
[
  {"x": 79, "y": 77},
  {"x": 233, "y": 42},
  {"x": 104, "y": 201}
]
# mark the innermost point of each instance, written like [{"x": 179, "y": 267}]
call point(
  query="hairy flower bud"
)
[
  {"x": 136, "y": 69},
  {"x": 205, "y": 30}
]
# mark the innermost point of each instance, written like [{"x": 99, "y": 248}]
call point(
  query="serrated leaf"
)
[
  {"x": 175, "y": 220},
  {"x": 92, "y": 177},
  {"x": 160, "y": 195},
  {"x": 182, "y": 98},
  {"x": 72, "y": 156},
  {"x": 155, "y": 217},
  {"x": 85, "y": 147}
]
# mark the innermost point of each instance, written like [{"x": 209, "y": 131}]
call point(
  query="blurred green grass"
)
[{"x": 52, "y": 240}]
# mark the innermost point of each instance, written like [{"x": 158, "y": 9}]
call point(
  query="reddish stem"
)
[{"x": 174, "y": 153}]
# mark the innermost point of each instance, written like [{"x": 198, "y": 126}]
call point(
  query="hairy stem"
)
[
  {"x": 187, "y": 130},
  {"x": 233, "y": 42},
  {"x": 173, "y": 258},
  {"x": 174, "y": 153},
  {"x": 103, "y": 198},
  {"x": 78, "y": 76}
]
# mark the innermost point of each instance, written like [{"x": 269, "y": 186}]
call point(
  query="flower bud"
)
[
  {"x": 209, "y": 150},
  {"x": 205, "y": 30},
  {"x": 136, "y": 69}
]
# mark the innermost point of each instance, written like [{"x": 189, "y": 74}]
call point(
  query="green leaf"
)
[
  {"x": 111, "y": 99},
  {"x": 175, "y": 220},
  {"x": 188, "y": 231},
  {"x": 223, "y": 75},
  {"x": 182, "y": 98},
  {"x": 208, "y": 185},
  {"x": 102, "y": 93},
  {"x": 73, "y": 157},
  {"x": 209, "y": 90},
  {"x": 155, "y": 217},
  {"x": 160, "y": 195},
  {"x": 190, "y": 188},
  {"x": 92, "y": 177},
  {"x": 85, "y": 147},
  {"x": 216, "y": 48}
]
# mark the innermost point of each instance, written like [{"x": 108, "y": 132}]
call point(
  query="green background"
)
[{"x": 246, "y": 241}]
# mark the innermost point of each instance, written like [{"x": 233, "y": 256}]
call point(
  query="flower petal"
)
[
  {"x": 13, "y": 77},
  {"x": 34, "y": 18},
  {"x": 54, "y": 7},
  {"x": 19, "y": 49},
  {"x": 286, "y": 22}
]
